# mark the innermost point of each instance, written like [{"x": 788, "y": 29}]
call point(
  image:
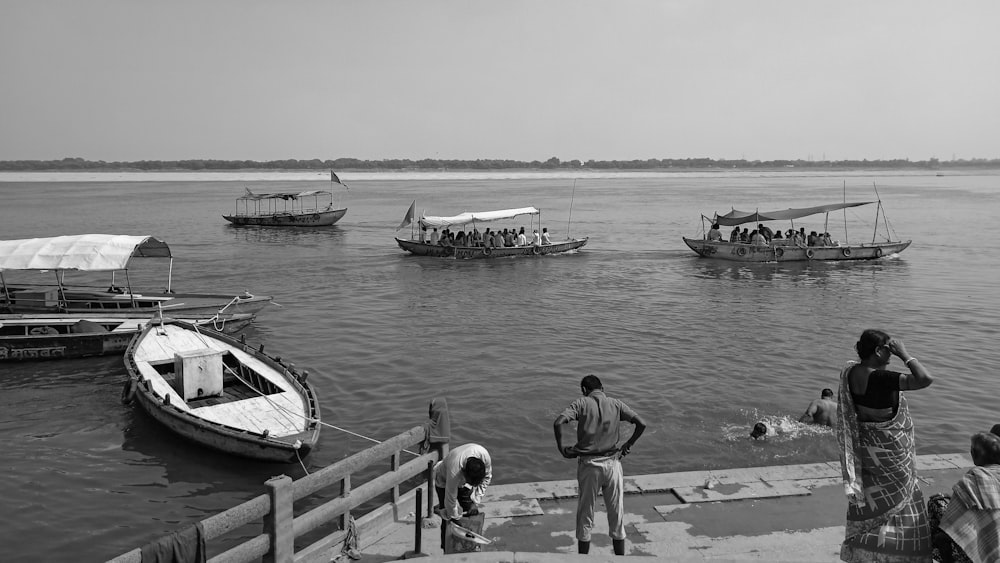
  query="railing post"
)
[
  {"x": 430, "y": 488},
  {"x": 394, "y": 466},
  {"x": 345, "y": 490},
  {"x": 278, "y": 522}
]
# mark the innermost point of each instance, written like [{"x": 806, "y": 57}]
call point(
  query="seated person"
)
[
  {"x": 778, "y": 236},
  {"x": 745, "y": 235},
  {"x": 757, "y": 239},
  {"x": 734, "y": 235},
  {"x": 968, "y": 524},
  {"x": 827, "y": 241},
  {"x": 811, "y": 239},
  {"x": 714, "y": 234},
  {"x": 545, "y": 236}
]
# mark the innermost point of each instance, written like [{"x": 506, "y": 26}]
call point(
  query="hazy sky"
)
[{"x": 524, "y": 80}]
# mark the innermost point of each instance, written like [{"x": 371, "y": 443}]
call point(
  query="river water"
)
[{"x": 701, "y": 348}]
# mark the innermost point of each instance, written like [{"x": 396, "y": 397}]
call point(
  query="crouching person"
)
[{"x": 460, "y": 480}]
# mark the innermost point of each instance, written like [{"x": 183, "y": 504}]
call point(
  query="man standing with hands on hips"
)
[{"x": 599, "y": 467}]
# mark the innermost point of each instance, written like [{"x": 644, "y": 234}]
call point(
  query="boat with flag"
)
[
  {"x": 430, "y": 236},
  {"x": 777, "y": 248},
  {"x": 310, "y": 208},
  {"x": 90, "y": 257}
]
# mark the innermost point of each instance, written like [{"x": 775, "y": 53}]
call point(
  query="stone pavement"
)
[{"x": 779, "y": 513}]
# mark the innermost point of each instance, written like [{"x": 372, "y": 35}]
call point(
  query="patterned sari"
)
[{"x": 886, "y": 516}]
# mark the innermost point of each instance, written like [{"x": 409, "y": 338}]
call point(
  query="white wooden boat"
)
[
  {"x": 786, "y": 250},
  {"x": 102, "y": 253},
  {"x": 41, "y": 336},
  {"x": 419, "y": 247},
  {"x": 221, "y": 393},
  {"x": 314, "y": 208}
]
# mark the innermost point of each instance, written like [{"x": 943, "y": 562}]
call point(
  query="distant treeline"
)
[{"x": 482, "y": 164}]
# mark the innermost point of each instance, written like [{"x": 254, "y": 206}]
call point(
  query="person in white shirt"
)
[
  {"x": 466, "y": 467},
  {"x": 521, "y": 239},
  {"x": 545, "y": 236}
]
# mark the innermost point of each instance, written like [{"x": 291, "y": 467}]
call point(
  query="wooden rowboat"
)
[
  {"x": 221, "y": 393},
  {"x": 56, "y": 337}
]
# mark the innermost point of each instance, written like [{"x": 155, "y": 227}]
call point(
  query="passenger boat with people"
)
[
  {"x": 421, "y": 245},
  {"x": 221, "y": 392},
  {"x": 793, "y": 249},
  {"x": 44, "y": 336},
  {"x": 102, "y": 253}
]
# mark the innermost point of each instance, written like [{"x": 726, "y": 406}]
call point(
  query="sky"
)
[{"x": 127, "y": 80}]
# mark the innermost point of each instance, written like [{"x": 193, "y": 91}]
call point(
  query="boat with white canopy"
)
[
  {"x": 786, "y": 249},
  {"x": 312, "y": 208},
  {"x": 55, "y": 256},
  {"x": 421, "y": 245}
]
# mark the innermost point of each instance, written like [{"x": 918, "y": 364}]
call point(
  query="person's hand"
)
[
  {"x": 624, "y": 451},
  {"x": 569, "y": 452},
  {"x": 896, "y": 347}
]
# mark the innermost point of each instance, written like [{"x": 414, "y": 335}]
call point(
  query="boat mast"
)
[
  {"x": 571, "y": 198},
  {"x": 846, "y": 241},
  {"x": 170, "y": 274},
  {"x": 877, "y": 209}
]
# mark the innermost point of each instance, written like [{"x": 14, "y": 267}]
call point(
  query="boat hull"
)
[
  {"x": 317, "y": 219},
  {"x": 418, "y": 248},
  {"x": 221, "y": 430},
  {"x": 86, "y": 302},
  {"x": 52, "y": 337},
  {"x": 742, "y": 252}
]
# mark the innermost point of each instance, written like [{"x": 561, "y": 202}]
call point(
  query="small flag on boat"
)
[
  {"x": 408, "y": 218},
  {"x": 334, "y": 178}
]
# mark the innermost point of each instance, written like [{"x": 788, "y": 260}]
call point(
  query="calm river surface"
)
[{"x": 701, "y": 348}]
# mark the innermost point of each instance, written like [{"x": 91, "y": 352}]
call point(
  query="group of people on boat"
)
[
  {"x": 765, "y": 236},
  {"x": 489, "y": 239}
]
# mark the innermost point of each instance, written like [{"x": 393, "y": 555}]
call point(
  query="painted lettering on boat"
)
[{"x": 31, "y": 353}]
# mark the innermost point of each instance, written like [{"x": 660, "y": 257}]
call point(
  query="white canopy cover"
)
[
  {"x": 476, "y": 217},
  {"x": 79, "y": 252},
  {"x": 284, "y": 195}
]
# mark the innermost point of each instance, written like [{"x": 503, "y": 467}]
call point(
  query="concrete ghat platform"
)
[{"x": 780, "y": 513}]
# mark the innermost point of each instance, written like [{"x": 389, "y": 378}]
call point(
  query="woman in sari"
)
[{"x": 886, "y": 515}]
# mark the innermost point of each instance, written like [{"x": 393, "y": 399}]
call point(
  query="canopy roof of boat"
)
[
  {"x": 93, "y": 253},
  {"x": 477, "y": 216},
  {"x": 736, "y": 217},
  {"x": 284, "y": 195}
]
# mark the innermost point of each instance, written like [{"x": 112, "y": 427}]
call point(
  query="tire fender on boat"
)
[
  {"x": 846, "y": 252},
  {"x": 878, "y": 253},
  {"x": 809, "y": 253},
  {"x": 536, "y": 250},
  {"x": 487, "y": 250},
  {"x": 779, "y": 252},
  {"x": 128, "y": 391},
  {"x": 741, "y": 251}
]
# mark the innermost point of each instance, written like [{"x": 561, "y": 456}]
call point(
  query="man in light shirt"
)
[
  {"x": 599, "y": 469},
  {"x": 460, "y": 480}
]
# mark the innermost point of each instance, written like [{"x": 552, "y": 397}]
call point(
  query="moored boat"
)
[
  {"x": 791, "y": 249},
  {"x": 29, "y": 337},
  {"x": 103, "y": 253},
  {"x": 421, "y": 245},
  {"x": 222, "y": 393}
]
